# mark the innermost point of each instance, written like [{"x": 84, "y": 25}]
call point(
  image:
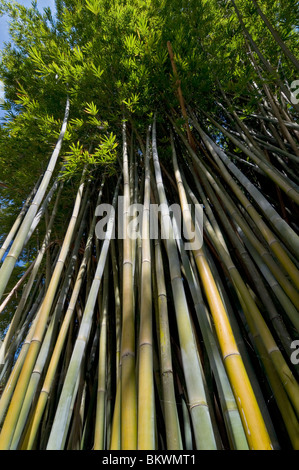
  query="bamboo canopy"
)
[{"x": 149, "y": 283}]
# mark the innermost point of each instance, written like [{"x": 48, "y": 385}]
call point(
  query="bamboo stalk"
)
[
  {"x": 229, "y": 407},
  {"x": 18, "y": 221},
  {"x": 101, "y": 409},
  {"x": 43, "y": 208},
  {"x": 253, "y": 423},
  {"x": 284, "y": 230},
  {"x": 267, "y": 234},
  {"x": 115, "y": 443},
  {"x": 16, "y": 288},
  {"x": 173, "y": 433},
  {"x": 146, "y": 407},
  {"x": 17, "y": 315},
  {"x": 117, "y": 306},
  {"x": 199, "y": 411},
  {"x": 128, "y": 380},
  {"x": 273, "y": 174},
  {"x": 48, "y": 339},
  {"x": 255, "y": 319},
  {"x": 63, "y": 411},
  {"x": 17, "y": 246},
  {"x": 268, "y": 67},
  {"x": 275, "y": 269},
  {"x": 264, "y": 295},
  {"x": 14, "y": 376},
  {"x": 17, "y": 399}
]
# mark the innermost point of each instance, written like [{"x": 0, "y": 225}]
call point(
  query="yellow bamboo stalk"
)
[
  {"x": 21, "y": 387},
  {"x": 198, "y": 403},
  {"x": 173, "y": 432},
  {"x": 128, "y": 379},
  {"x": 99, "y": 438},
  {"x": 52, "y": 368},
  {"x": 259, "y": 327},
  {"x": 265, "y": 166},
  {"x": 117, "y": 306},
  {"x": 253, "y": 423},
  {"x": 14, "y": 376},
  {"x": 279, "y": 274},
  {"x": 268, "y": 235},
  {"x": 115, "y": 443},
  {"x": 146, "y": 403}
]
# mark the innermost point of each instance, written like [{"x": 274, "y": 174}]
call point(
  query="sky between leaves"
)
[{"x": 4, "y": 34}]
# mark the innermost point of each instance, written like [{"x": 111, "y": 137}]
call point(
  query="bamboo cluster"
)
[
  {"x": 184, "y": 340},
  {"x": 140, "y": 343}
]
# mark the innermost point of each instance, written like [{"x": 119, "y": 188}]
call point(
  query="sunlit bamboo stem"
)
[
  {"x": 146, "y": 407},
  {"x": 101, "y": 409},
  {"x": 17, "y": 246},
  {"x": 199, "y": 411},
  {"x": 18, "y": 221},
  {"x": 37, "y": 262},
  {"x": 17, "y": 399},
  {"x": 253, "y": 423},
  {"x": 63, "y": 412},
  {"x": 128, "y": 379}
]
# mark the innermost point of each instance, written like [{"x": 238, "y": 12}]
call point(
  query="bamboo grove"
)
[{"x": 129, "y": 340}]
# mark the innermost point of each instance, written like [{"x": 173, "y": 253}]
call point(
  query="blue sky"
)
[{"x": 4, "y": 35}]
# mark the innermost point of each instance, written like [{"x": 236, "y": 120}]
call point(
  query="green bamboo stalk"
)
[
  {"x": 117, "y": 306},
  {"x": 253, "y": 423},
  {"x": 18, "y": 221},
  {"x": 48, "y": 339},
  {"x": 199, "y": 411},
  {"x": 14, "y": 376},
  {"x": 17, "y": 315},
  {"x": 17, "y": 246},
  {"x": 186, "y": 425},
  {"x": 173, "y": 432},
  {"x": 229, "y": 407},
  {"x": 285, "y": 231},
  {"x": 128, "y": 380},
  {"x": 146, "y": 404},
  {"x": 17, "y": 399},
  {"x": 60, "y": 425},
  {"x": 23, "y": 328},
  {"x": 266, "y": 256},
  {"x": 240, "y": 249},
  {"x": 111, "y": 380},
  {"x": 115, "y": 442},
  {"x": 272, "y": 173},
  {"x": 266, "y": 232},
  {"x": 88, "y": 425},
  {"x": 101, "y": 409},
  {"x": 15, "y": 289},
  {"x": 257, "y": 322},
  {"x": 43, "y": 208},
  {"x": 75, "y": 434}
]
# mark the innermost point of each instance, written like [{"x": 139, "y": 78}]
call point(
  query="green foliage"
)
[
  {"x": 103, "y": 158},
  {"x": 111, "y": 59}
]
